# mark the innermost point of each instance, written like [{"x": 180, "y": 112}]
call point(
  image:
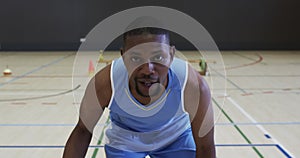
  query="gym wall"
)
[{"x": 234, "y": 24}]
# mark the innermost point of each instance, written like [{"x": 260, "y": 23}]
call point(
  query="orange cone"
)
[{"x": 91, "y": 68}]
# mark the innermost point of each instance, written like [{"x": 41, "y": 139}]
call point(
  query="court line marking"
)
[
  {"x": 259, "y": 126},
  {"x": 243, "y": 56},
  {"x": 48, "y": 76},
  {"x": 42, "y": 125},
  {"x": 228, "y": 80},
  {"x": 217, "y": 124},
  {"x": 258, "y": 123},
  {"x": 41, "y": 97},
  {"x": 36, "y": 125},
  {"x": 36, "y": 69},
  {"x": 260, "y": 59},
  {"x": 283, "y": 151},
  {"x": 238, "y": 129},
  {"x": 102, "y": 146},
  {"x": 101, "y": 137},
  {"x": 263, "y": 75}
]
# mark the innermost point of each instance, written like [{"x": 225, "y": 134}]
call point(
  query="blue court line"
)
[
  {"x": 243, "y": 90},
  {"x": 268, "y": 136},
  {"x": 258, "y": 123},
  {"x": 41, "y": 125},
  {"x": 41, "y": 146},
  {"x": 227, "y": 79},
  {"x": 238, "y": 129},
  {"x": 283, "y": 151},
  {"x": 217, "y": 124},
  {"x": 35, "y": 70},
  {"x": 101, "y": 146}
]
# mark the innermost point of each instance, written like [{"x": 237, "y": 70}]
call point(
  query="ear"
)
[{"x": 172, "y": 52}]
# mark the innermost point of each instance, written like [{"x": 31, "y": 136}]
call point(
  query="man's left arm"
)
[
  {"x": 201, "y": 114},
  {"x": 203, "y": 123}
]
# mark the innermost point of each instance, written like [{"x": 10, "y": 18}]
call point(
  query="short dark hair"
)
[{"x": 146, "y": 31}]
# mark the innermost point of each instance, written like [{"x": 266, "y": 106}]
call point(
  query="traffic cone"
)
[{"x": 91, "y": 68}]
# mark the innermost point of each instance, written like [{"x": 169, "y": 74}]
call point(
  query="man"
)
[{"x": 155, "y": 104}]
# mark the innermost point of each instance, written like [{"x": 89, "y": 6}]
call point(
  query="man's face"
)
[{"x": 147, "y": 59}]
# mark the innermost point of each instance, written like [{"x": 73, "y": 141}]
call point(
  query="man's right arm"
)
[
  {"x": 78, "y": 142},
  {"x": 96, "y": 98}
]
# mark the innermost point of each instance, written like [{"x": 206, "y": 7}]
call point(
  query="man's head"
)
[
  {"x": 146, "y": 32},
  {"x": 147, "y": 55}
]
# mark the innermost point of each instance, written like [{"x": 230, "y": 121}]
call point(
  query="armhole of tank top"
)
[
  {"x": 184, "y": 84},
  {"x": 112, "y": 84}
]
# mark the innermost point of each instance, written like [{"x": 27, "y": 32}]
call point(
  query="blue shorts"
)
[{"x": 183, "y": 147}]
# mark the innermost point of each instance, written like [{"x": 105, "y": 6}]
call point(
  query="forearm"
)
[
  {"x": 205, "y": 144},
  {"x": 205, "y": 152},
  {"x": 77, "y": 144}
]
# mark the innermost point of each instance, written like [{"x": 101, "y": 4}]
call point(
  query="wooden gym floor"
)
[{"x": 259, "y": 118}]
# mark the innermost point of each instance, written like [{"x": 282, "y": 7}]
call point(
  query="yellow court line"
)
[{"x": 143, "y": 108}]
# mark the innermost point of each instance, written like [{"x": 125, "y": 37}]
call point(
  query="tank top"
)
[{"x": 135, "y": 127}]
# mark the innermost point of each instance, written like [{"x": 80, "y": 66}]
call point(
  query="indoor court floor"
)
[{"x": 259, "y": 118}]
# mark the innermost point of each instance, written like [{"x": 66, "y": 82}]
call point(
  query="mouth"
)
[
  {"x": 147, "y": 83},
  {"x": 147, "y": 87}
]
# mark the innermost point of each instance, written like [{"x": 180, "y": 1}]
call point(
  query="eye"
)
[
  {"x": 157, "y": 58},
  {"x": 135, "y": 59}
]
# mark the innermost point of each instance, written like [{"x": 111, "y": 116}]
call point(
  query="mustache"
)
[{"x": 148, "y": 78}]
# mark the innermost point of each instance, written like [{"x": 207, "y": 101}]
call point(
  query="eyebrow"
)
[
  {"x": 152, "y": 53},
  {"x": 135, "y": 53},
  {"x": 157, "y": 52}
]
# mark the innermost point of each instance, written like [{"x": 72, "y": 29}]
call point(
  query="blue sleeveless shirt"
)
[{"x": 136, "y": 127}]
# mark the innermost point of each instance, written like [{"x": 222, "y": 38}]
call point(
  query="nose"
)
[{"x": 147, "y": 68}]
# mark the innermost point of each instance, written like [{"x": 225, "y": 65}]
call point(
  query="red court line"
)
[
  {"x": 49, "y": 103},
  {"x": 268, "y": 92},
  {"x": 19, "y": 103},
  {"x": 246, "y": 94},
  {"x": 18, "y": 83},
  {"x": 260, "y": 59}
]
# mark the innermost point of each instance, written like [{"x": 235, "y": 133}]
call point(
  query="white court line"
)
[{"x": 275, "y": 141}]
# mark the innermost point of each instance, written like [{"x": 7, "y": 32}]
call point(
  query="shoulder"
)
[
  {"x": 103, "y": 76},
  {"x": 103, "y": 86},
  {"x": 197, "y": 96},
  {"x": 196, "y": 92},
  {"x": 195, "y": 80}
]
